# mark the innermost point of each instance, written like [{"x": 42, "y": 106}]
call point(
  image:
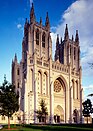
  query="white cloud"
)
[
  {"x": 19, "y": 26},
  {"x": 88, "y": 90},
  {"x": 79, "y": 16},
  {"x": 90, "y": 87}
]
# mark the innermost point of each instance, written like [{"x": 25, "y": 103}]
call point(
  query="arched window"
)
[
  {"x": 18, "y": 71},
  {"x": 37, "y": 36},
  {"x": 75, "y": 115},
  {"x": 77, "y": 88},
  {"x": 32, "y": 79},
  {"x": 74, "y": 53},
  {"x": 67, "y": 54},
  {"x": 39, "y": 82},
  {"x": 18, "y": 85},
  {"x": 70, "y": 50},
  {"x": 43, "y": 40},
  {"x": 73, "y": 89},
  {"x": 46, "y": 82}
]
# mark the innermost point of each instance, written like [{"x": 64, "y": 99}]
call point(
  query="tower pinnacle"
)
[
  {"x": 40, "y": 20},
  {"x": 32, "y": 14},
  {"x": 15, "y": 58},
  {"x": 57, "y": 40},
  {"x": 47, "y": 23},
  {"x": 77, "y": 37},
  {"x": 66, "y": 37}
]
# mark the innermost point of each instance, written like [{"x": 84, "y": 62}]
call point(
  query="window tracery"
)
[
  {"x": 43, "y": 40},
  {"x": 37, "y": 36},
  {"x": 57, "y": 86}
]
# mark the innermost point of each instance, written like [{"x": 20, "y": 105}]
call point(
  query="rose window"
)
[{"x": 57, "y": 86}]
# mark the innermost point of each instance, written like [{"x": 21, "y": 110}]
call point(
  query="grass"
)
[{"x": 63, "y": 127}]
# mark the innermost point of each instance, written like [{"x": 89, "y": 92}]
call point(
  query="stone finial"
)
[
  {"x": 32, "y": 14},
  {"x": 40, "y": 21},
  {"x": 61, "y": 40},
  {"x": 72, "y": 38},
  {"x": 47, "y": 23},
  {"x": 77, "y": 37},
  {"x": 57, "y": 40},
  {"x": 66, "y": 37},
  {"x": 15, "y": 58}
]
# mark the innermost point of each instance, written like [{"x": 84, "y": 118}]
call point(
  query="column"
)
[
  {"x": 35, "y": 101},
  {"x": 81, "y": 105},
  {"x": 67, "y": 104},
  {"x": 51, "y": 103},
  {"x": 35, "y": 81},
  {"x": 71, "y": 104}
]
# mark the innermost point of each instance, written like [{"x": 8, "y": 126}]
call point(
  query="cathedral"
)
[{"x": 38, "y": 76}]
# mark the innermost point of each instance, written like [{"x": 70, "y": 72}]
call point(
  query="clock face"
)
[{"x": 57, "y": 86}]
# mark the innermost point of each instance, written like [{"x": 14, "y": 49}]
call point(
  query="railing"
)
[
  {"x": 45, "y": 64},
  {"x": 74, "y": 72},
  {"x": 39, "y": 62},
  {"x": 60, "y": 67}
]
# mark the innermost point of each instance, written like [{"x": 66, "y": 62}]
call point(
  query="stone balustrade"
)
[{"x": 60, "y": 67}]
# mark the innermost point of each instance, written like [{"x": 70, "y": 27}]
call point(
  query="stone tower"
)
[{"x": 57, "y": 82}]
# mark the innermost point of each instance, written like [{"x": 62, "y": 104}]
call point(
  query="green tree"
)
[
  {"x": 9, "y": 100},
  {"x": 42, "y": 112},
  {"x": 90, "y": 94},
  {"x": 87, "y": 108}
]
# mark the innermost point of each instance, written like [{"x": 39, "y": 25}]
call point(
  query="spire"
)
[
  {"x": 40, "y": 21},
  {"x": 47, "y": 23},
  {"x": 15, "y": 58},
  {"x": 61, "y": 40},
  {"x": 77, "y": 37},
  {"x": 72, "y": 38},
  {"x": 12, "y": 61},
  {"x": 32, "y": 14},
  {"x": 26, "y": 21},
  {"x": 57, "y": 41},
  {"x": 57, "y": 49},
  {"x": 66, "y": 37}
]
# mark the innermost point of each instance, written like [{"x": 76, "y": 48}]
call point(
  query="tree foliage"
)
[
  {"x": 9, "y": 100},
  {"x": 90, "y": 94},
  {"x": 87, "y": 108},
  {"x": 42, "y": 112}
]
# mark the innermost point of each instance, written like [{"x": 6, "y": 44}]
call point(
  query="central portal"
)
[
  {"x": 57, "y": 119},
  {"x": 58, "y": 114},
  {"x": 59, "y": 100}
]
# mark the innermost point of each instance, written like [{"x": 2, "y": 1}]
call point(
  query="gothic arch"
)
[
  {"x": 37, "y": 36},
  {"x": 40, "y": 71},
  {"x": 62, "y": 80},
  {"x": 46, "y": 82},
  {"x": 75, "y": 115},
  {"x": 46, "y": 73},
  {"x": 58, "y": 114},
  {"x": 73, "y": 86},
  {"x": 39, "y": 81},
  {"x": 77, "y": 88},
  {"x": 31, "y": 81},
  {"x": 43, "y": 39}
]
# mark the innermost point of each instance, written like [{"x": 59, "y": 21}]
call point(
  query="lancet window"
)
[
  {"x": 37, "y": 36},
  {"x": 43, "y": 40}
]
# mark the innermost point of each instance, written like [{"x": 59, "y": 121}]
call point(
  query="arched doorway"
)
[
  {"x": 60, "y": 87},
  {"x": 75, "y": 116},
  {"x": 58, "y": 114}
]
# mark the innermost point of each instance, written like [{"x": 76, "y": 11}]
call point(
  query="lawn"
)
[{"x": 50, "y": 128}]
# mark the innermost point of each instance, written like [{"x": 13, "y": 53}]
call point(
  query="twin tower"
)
[{"x": 38, "y": 76}]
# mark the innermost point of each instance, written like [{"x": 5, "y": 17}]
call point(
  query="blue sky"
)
[{"x": 76, "y": 13}]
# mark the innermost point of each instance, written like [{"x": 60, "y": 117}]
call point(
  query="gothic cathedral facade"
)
[{"x": 38, "y": 76}]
